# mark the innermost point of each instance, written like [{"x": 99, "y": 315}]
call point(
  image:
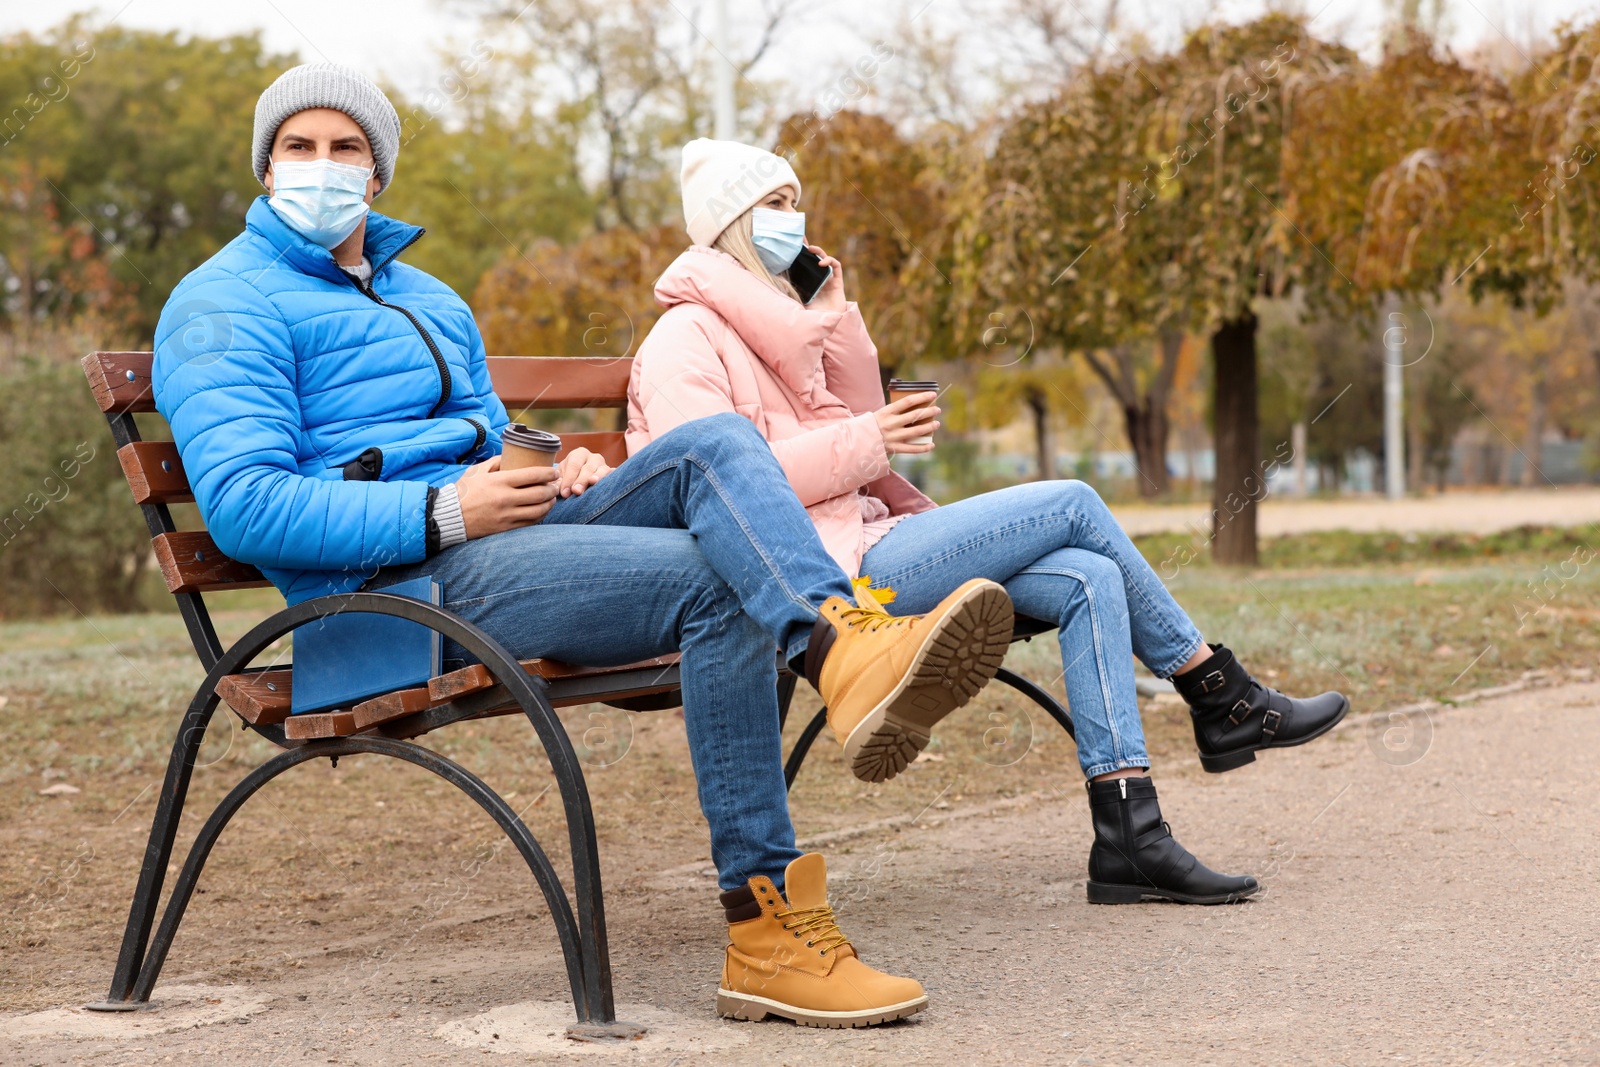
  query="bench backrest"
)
[{"x": 192, "y": 565}]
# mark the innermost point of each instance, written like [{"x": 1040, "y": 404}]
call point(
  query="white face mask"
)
[
  {"x": 321, "y": 200},
  {"x": 778, "y": 236}
]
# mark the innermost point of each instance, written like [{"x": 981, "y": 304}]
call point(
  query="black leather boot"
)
[
  {"x": 1236, "y": 716},
  {"x": 1135, "y": 857}
]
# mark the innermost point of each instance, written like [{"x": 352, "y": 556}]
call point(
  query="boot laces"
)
[
  {"x": 869, "y": 614},
  {"x": 818, "y": 925}
]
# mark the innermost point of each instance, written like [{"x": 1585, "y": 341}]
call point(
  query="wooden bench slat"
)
[
  {"x": 260, "y": 697},
  {"x": 522, "y": 382},
  {"x": 476, "y": 678},
  {"x": 456, "y": 684},
  {"x": 496, "y": 702},
  {"x": 391, "y": 706},
  {"x": 155, "y": 472},
  {"x": 536, "y": 382},
  {"x": 320, "y": 724},
  {"x": 120, "y": 381},
  {"x": 264, "y": 697},
  {"x": 191, "y": 562}
]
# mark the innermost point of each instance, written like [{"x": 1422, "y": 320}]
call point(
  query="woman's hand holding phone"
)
[
  {"x": 831, "y": 296},
  {"x": 907, "y": 418}
]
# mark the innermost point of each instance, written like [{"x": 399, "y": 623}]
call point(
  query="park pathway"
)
[
  {"x": 1430, "y": 898},
  {"x": 1460, "y": 512}
]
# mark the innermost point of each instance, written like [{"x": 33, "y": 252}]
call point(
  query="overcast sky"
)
[{"x": 402, "y": 40}]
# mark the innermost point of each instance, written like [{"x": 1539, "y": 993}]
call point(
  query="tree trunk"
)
[
  {"x": 1144, "y": 415},
  {"x": 1237, "y": 431},
  {"x": 1147, "y": 432},
  {"x": 1416, "y": 453},
  {"x": 1533, "y": 444},
  {"x": 1046, "y": 456},
  {"x": 1297, "y": 441}
]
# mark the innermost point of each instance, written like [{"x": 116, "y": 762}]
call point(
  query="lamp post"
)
[
  {"x": 722, "y": 87},
  {"x": 1394, "y": 441}
]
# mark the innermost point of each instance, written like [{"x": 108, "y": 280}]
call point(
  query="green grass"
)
[
  {"x": 1344, "y": 548},
  {"x": 1409, "y": 620},
  {"x": 1399, "y": 633}
]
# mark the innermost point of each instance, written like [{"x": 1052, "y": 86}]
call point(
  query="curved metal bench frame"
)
[{"x": 582, "y": 932}]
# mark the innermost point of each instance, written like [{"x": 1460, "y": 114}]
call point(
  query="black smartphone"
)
[{"x": 808, "y": 275}]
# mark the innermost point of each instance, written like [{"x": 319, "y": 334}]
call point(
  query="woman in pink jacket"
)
[{"x": 736, "y": 337}]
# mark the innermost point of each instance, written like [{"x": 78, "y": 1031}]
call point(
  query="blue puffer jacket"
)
[{"x": 316, "y": 418}]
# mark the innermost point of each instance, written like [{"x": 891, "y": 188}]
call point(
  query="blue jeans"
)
[
  {"x": 1061, "y": 555},
  {"x": 696, "y": 545}
]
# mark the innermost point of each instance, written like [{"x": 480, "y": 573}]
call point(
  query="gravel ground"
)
[
  {"x": 1429, "y": 899},
  {"x": 1459, "y": 512}
]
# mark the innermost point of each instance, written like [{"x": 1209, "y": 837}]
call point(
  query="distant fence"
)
[{"x": 1471, "y": 463}]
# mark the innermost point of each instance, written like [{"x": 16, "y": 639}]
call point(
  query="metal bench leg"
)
[
  {"x": 1040, "y": 697},
  {"x": 802, "y": 746},
  {"x": 786, "y": 684},
  {"x": 163, "y": 831},
  {"x": 597, "y": 1010},
  {"x": 450, "y": 771}
]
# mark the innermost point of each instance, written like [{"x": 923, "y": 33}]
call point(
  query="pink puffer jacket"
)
[{"x": 808, "y": 380}]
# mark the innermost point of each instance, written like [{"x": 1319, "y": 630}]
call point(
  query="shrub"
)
[{"x": 70, "y": 536}]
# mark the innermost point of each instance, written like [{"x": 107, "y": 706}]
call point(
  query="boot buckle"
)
[
  {"x": 1205, "y": 683},
  {"x": 1269, "y": 724},
  {"x": 1241, "y": 709}
]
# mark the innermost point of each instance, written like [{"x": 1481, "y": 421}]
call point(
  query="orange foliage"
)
[{"x": 593, "y": 299}]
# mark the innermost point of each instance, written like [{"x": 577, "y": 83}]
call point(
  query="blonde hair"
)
[{"x": 737, "y": 242}]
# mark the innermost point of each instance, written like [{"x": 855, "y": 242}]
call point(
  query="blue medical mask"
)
[
  {"x": 321, "y": 200},
  {"x": 778, "y": 235}
]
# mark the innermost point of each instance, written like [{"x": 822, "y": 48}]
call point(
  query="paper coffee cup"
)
[
  {"x": 900, "y": 388},
  {"x": 521, "y": 447}
]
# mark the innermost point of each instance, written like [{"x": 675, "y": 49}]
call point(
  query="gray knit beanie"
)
[{"x": 328, "y": 85}]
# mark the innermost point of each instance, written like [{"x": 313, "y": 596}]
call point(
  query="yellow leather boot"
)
[
  {"x": 788, "y": 958},
  {"x": 887, "y": 680}
]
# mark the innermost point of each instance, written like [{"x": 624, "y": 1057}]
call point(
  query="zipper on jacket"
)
[
  {"x": 477, "y": 443},
  {"x": 427, "y": 339}
]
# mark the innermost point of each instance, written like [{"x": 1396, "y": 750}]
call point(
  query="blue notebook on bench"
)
[{"x": 344, "y": 659}]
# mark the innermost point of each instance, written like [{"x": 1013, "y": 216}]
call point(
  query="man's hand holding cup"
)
[{"x": 519, "y": 486}]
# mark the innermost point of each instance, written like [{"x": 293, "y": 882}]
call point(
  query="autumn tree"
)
[
  {"x": 1228, "y": 116},
  {"x": 592, "y": 299},
  {"x": 1401, "y": 173},
  {"x": 142, "y": 147},
  {"x": 867, "y": 202},
  {"x": 1078, "y": 241},
  {"x": 488, "y": 183},
  {"x": 1555, "y": 212}
]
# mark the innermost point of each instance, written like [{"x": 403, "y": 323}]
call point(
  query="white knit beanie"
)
[
  {"x": 723, "y": 179},
  {"x": 328, "y": 85}
]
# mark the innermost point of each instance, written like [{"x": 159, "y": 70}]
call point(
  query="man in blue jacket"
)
[{"x": 336, "y": 419}]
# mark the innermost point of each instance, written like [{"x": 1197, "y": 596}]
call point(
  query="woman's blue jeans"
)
[
  {"x": 1061, "y": 555},
  {"x": 695, "y": 544}
]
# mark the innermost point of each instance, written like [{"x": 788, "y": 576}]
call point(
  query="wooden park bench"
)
[{"x": 386, "y": 725}]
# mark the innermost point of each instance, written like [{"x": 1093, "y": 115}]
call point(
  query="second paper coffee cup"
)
[
  {"x": 522, "y": 446},
  {"x": 900, "y": 388}
]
